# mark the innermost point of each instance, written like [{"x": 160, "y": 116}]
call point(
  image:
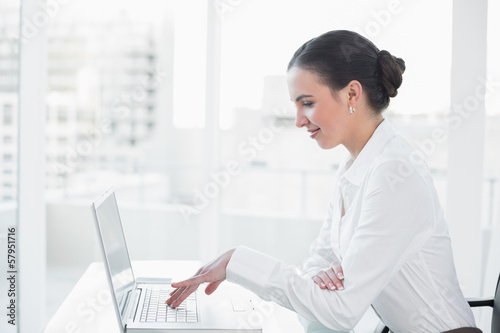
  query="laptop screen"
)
[{"x": 115, "y": 249}]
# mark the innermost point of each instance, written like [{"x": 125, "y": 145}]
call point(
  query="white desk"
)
[{"x": 88, "y": 307}]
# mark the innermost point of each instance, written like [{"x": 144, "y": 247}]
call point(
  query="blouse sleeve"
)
[{"x": 396, "y": 219}]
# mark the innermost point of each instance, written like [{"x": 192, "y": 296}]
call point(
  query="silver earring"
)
[{"x": 351, "y": 109}]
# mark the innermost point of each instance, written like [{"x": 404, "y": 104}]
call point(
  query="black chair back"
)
[{"x": 495, "y": 317}]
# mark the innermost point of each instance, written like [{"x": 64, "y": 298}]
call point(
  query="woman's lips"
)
[{"x": 314, "y": 132}]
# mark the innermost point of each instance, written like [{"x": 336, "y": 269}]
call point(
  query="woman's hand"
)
[
  {"x": 214, "y": 273},
  {"x": 330, "y": 278}
]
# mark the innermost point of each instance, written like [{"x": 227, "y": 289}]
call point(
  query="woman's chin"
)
[{"x": 327, "y": 145}]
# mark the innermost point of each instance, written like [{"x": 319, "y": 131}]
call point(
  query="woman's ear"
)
[{"x": 355, "y": 90}]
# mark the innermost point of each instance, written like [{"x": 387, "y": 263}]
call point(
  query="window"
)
[
  {"x": 61, "y": 158},
  {"x": 7, "y": 114},
  {"x": 127, "y": 97},
  {"x": 62, "y": 115},
  {"x": 490, "y": 223},
  {"x": 62, "y": 140},
  {"x": 298, "y": 176},
  {"x": 103, "y": 75}
]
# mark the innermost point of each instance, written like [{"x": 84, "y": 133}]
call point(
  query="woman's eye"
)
[{"x": 307, "y": 104}]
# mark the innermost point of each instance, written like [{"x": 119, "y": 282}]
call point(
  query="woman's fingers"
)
[
  {"x": 338, "y": 273},
  {"x": 337, "y": 269},
  {"x": 180, "y": 294},
  {"x": 330, "y": 278},
  {"x": 178, "y": 298},
  {"x": 334, "y": 279},
  {"x": 174, "y": 295},
  {"x": 183, "y": 290},
  {"x": 213, "y": 273},
  {"x": 319, "y": 282},
  {"x": 197, "y": 279}
]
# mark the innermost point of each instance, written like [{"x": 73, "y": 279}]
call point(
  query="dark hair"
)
[{"x": 341, "y": 56}]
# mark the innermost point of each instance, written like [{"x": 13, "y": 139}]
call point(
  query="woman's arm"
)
[
  {"x": 396, "y": 220},
  {"x": 214, "y": 272}
]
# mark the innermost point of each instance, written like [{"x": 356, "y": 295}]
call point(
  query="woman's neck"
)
[{"x": 362, "y": 133}]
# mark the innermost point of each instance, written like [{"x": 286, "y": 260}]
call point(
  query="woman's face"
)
[{"x": 324, "y": 116}]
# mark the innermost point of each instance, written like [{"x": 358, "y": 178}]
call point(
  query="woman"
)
[{"x": 385, "y": 235}]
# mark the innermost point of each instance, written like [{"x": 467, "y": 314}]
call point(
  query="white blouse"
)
[{"x": 393, "y": 245}]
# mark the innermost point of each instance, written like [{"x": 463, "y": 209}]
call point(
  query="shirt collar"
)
[{"x": 355, "y": 170}]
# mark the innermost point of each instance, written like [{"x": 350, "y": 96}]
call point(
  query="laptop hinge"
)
[{"x": 133, "y": 304}]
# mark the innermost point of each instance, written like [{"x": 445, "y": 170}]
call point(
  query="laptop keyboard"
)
[{"x": 155, "y": 310}]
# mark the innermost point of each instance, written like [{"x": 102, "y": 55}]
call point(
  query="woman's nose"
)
[{"x": 300, "y": 119}]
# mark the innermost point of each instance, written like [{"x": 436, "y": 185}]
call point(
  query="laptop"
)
[{"x": 140, "y": 302}]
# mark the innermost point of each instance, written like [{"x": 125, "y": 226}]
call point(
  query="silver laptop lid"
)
[{"x": 114, "y": 247}]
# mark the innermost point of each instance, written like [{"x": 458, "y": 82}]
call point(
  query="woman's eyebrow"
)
[{"x": 302, "y": 96}]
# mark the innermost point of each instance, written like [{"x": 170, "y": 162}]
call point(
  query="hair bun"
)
[{"x": 391, "y": 72}]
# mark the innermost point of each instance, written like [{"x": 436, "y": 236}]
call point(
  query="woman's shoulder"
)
[
  {"x": 400, "y": 159},
  {"x": 400, "y": 150}
]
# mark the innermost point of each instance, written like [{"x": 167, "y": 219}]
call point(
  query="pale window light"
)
[{"x": 189, "y": 64}]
